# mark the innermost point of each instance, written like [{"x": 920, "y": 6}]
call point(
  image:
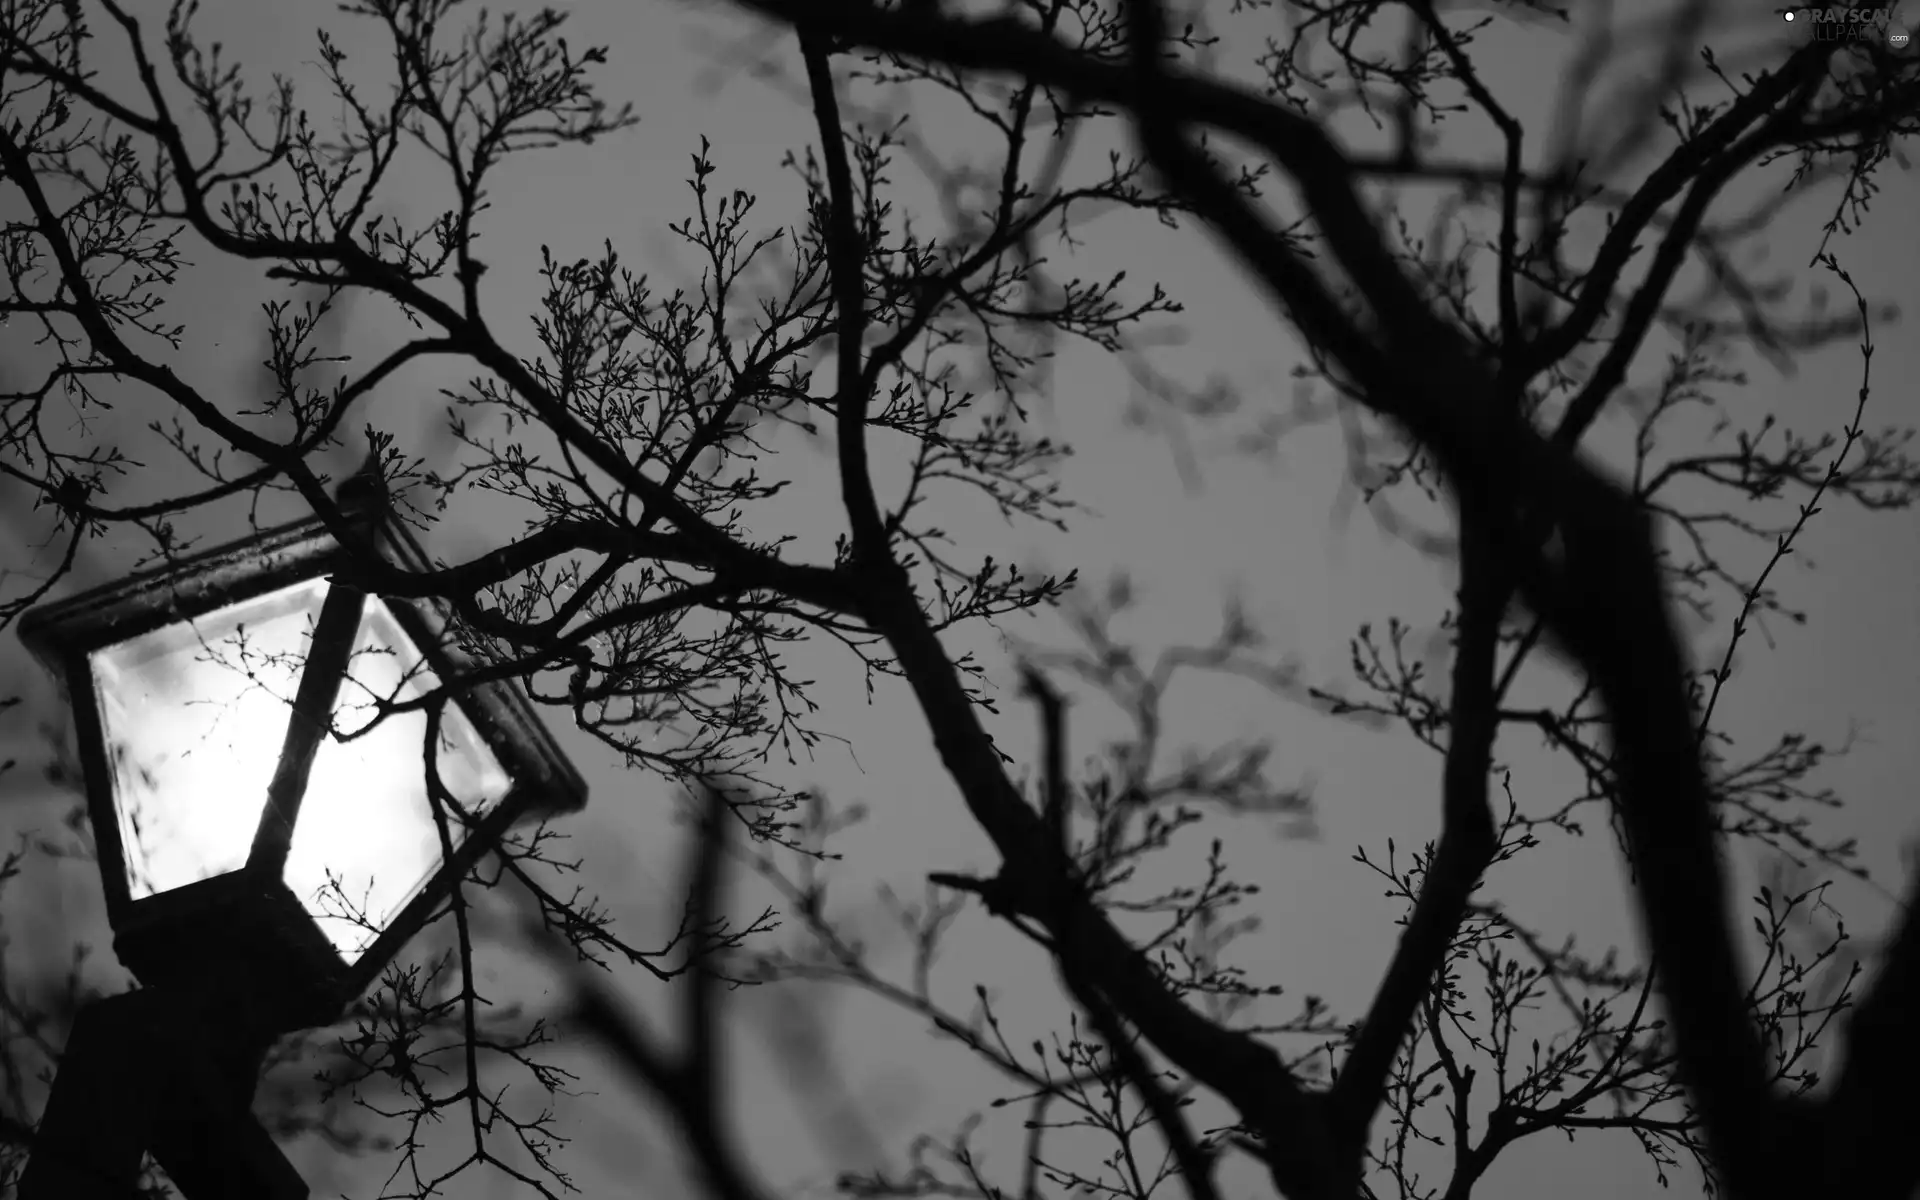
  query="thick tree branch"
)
[
  {"x": 1680, "y": 168},
  {"x": 846, "y": 256},
  {"x": 1645, "y": 303},
  {"x": 1875, "y": 1107},
  {"x": 1243, "y": 1070},
  {"x": 1468, "y": 842},
  {"x": 542, "y": 545},
  {"x": 1196, "y": 1164}
]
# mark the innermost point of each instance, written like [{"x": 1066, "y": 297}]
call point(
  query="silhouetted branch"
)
[
  {"x": 1196, "y": 1164},
  {"x": 685, "y": 1079},
  {"x": 1468, "y": 842}
]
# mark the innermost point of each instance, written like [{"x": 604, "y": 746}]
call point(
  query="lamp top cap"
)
[
  {"x": 365, "y": 492},
  {"x": 195, "y": 581}
]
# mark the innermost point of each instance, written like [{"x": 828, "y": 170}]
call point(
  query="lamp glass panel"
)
[
  {"x": 194, "y": 716},
  {"x": 365, "y": 841}
]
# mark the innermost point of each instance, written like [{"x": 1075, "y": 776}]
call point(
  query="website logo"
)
[{"x": 1841, "y": 23}]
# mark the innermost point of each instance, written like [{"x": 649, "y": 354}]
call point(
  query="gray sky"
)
[{"x": 1272, "y": 531}]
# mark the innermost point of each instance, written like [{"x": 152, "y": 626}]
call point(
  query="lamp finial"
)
[{"x": 364, "y": 491}]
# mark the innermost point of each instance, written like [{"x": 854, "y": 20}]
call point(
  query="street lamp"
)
[{"x": 266, "y": 833}]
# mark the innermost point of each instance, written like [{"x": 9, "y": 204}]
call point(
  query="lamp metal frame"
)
[{"x": 250, "y": 919}]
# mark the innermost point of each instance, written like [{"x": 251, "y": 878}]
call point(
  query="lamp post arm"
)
[
  {"x": 140, "y": 1074},
  {"x": 96, "y": 1124}
]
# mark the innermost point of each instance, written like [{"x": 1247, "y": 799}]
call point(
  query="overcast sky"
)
[{"x": 1271, "y": 530}]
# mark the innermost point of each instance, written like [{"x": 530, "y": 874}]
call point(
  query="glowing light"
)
[
  {"x": 366, "y": 840},
  {"x": 195, "y": 716}
]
